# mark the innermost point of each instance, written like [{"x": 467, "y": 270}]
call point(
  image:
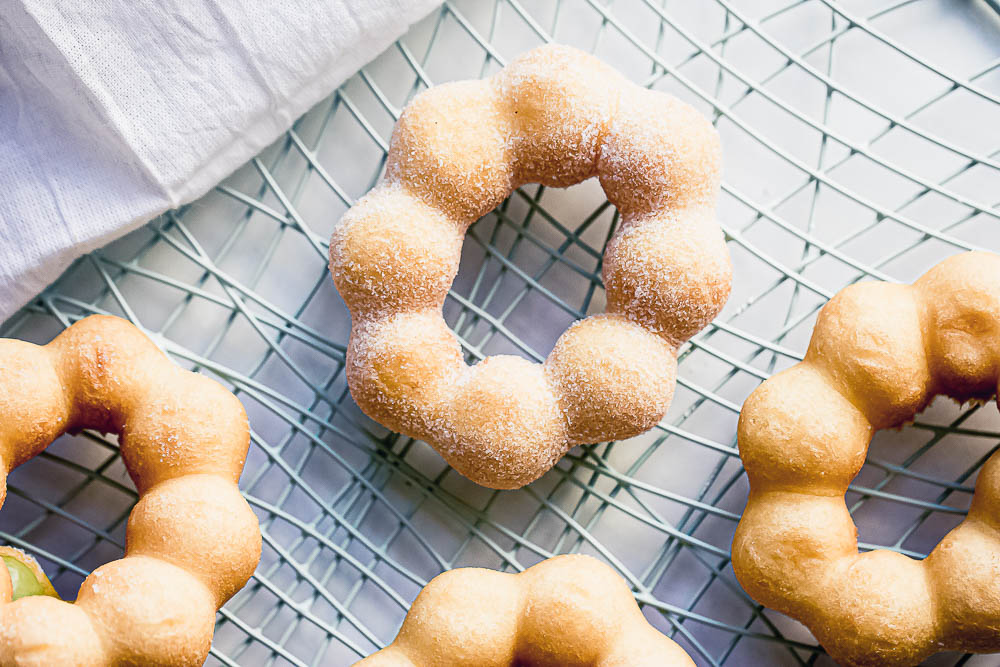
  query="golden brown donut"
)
[
  {"x": 879, "y": 353},
  {"x": 555, "y": 116},
  {"x": 192, "y": 540},
  {"x": 567, "y": 611}
]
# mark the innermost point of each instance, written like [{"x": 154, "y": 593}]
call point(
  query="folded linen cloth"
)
[{"x": 113, "y": 111}]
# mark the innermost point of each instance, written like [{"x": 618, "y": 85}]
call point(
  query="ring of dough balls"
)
[
  {"x": 572, "y": 611},
  {"x": 555, "y": 116},
  {"x": 879, "y": 353},
  {"x": 192, "y": 541}
]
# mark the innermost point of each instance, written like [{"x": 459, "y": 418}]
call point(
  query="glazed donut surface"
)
[
  {"x": 555, "y": 116},
  {"x": 879, "y": 353},
  {"x": 192, "y": 541}
]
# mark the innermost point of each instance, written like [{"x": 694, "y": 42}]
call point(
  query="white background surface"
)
[
  {"x": 821, "y": 190},
  {"x": 113, "y": 111}
]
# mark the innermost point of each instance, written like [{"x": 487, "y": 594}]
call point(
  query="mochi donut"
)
[
  {"x": 555, "y": 116},
  {"x": 192, "y": 541},
  {"x": 571, "y": 611},
  {"x": 878, "y": 355}
]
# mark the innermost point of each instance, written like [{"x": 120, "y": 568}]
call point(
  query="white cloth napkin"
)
[{"x": 113, "y": 111}]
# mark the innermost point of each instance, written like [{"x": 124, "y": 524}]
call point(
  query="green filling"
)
[{"x": 22, "y": 578}]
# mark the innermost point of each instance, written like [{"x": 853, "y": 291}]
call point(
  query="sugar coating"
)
[
  {"x": 192, "y": 540},
  {"x": 558, "y": 102},
  {"x": 556, "y": 116},
  {"x": 605, "y": 392},
  {"x": 669, "y": 275},
  {"x": 572, "y": 611},
  {"x": 500, "y": 422},
  {"x": 879, "y": 353}
]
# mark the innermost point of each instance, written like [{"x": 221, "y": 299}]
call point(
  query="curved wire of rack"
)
[{"x": 854, "y": 149}]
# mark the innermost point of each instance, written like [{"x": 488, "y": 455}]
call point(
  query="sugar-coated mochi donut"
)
[
  {"x": 402, "y": 370},
  {"x": 670, "y": 276},
  {"x": 450, "y": 146},
  {"x": 502, "y": 413},
  {"x": 659, "y": 156},
  {"x": 385, "y": 261},
  {"x": 555, "y": 116},
  {"x": 615, "y": 377},
  {"x": 560, "y": 102}
]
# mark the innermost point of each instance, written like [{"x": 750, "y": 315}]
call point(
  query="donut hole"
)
[
  {"x": 57, "y": 481},
  {"x": 508, "y": 282},
  {"x": 509, "y": 279},
  {"x": 617, "y": 380},
  {"x": 917, "y": 482}
]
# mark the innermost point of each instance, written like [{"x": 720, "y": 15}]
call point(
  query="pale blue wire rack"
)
[{"x": 861, "y": 141}]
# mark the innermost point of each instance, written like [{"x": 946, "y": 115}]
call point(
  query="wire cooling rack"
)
[{"x": 861, "y": 141}]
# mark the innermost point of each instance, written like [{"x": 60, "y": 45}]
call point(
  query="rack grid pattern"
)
[{"x": 861, "y": 143}]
